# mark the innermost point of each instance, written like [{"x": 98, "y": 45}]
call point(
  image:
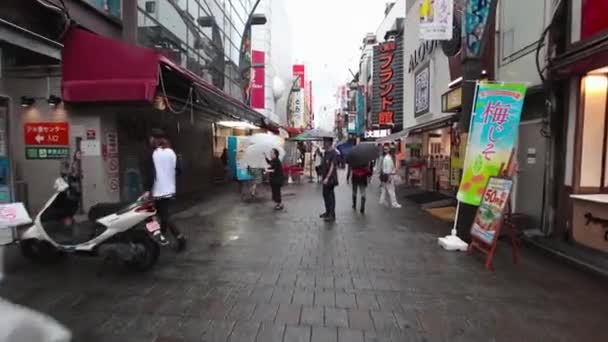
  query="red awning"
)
[
  {"x": 97, "y": 69},
  {"x": 100, "y": 69}
]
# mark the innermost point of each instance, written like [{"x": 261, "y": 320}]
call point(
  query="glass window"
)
[{"x": 109, "y": 7}]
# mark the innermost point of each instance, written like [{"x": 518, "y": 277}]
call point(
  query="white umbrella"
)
[
  {"x": 254, "y": 155},
  {"x": 268, "y": 139}
]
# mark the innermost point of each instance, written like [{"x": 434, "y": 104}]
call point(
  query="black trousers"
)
[
  {"x": 162, "y": 210},
  {"x": 276, "y": 193},
  {"x": 329, "y": 196}
]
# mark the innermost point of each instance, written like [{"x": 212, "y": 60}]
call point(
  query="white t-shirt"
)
[
  {"x": 388, "y": 167},
  {"x": 165, "y": 162}
]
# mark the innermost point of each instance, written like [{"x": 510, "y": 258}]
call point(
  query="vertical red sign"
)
[
  {"x": 299, "y": 70},
  {"x": 386, "y": 117},
  {"x": 258, "y": 83}
]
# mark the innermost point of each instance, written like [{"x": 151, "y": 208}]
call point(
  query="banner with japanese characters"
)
[
  {"x": 492, "y": 135},
  {"x": 487, "y": 223},
  {"x": 436, "y": 19}
]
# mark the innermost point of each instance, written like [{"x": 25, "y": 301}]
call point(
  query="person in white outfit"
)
[{"x": 387, "y": 179}]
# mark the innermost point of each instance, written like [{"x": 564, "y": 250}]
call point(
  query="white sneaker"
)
[{"x": 396, "y": 206}]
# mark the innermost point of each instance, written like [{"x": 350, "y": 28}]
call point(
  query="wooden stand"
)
[{"x": 490, "y": 250}]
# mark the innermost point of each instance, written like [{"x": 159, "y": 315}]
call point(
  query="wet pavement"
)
[{"x": 252, "y": 274}]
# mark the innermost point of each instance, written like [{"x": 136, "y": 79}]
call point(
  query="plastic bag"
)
[{"x": 19, "y": 324}]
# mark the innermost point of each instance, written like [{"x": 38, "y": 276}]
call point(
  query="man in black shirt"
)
[{"x": 330, "y": 179}]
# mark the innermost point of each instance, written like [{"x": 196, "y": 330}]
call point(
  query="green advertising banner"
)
[
  {"x": 47, "y": 152},
  {"x": 493, "y": 132}
]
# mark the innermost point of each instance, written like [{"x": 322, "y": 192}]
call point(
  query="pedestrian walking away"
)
[
  {"x": 276, "y": 178},
  {"x": 330, "y": 180},
  {"x": 359, "y": 177},
  {"x": 387, "y": 179},
  {"x": 159, "y": 182}
]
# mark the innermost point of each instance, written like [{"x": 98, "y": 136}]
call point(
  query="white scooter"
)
[{"x": 129, "y": 232}]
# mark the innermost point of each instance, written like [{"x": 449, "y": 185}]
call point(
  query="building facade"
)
[
  {"x": 579, "y": 79},
  {"x": 126, "y": 66},
  {"x": 276, "y": 41}
]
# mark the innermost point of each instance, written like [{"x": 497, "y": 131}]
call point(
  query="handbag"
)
[{"x": 384, "y": 177}]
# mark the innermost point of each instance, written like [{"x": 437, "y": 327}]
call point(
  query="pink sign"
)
[
  {"x": 258, "y": 83},
  {"x": 299, "y": 70}
]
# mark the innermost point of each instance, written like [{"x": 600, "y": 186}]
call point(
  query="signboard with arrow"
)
[{"x": 46, "y": 140}]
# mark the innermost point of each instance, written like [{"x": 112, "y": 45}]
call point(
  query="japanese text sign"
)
[
  {"x": 492, "y": 135},
  {"x": 258, "y": 83},
  {"x": 486, "y": 225},
  {"x": 47, "y": 133},
  {"x": 387, "y": 87},
  {"x": 387, "y": 84},
  {"x": 436, "y": 19}
]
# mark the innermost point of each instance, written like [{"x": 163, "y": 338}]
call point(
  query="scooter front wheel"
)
[
  {"x": 40, "y": 251},
  {"x": 148, "y": 254}
]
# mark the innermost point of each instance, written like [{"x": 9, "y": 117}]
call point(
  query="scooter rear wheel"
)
[
  {"x": 40, "y": 251},
  {"x": 149, "y": 254}
]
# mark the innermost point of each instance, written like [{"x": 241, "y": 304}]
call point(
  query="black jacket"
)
[{"x": 276, "y": 177}]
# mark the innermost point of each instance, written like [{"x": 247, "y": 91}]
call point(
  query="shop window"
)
[
  {"x": 435, "y": 148},
  {"x": 109, "y": 7},
  {"x": 594, "y": 155},
  {"x": 150, "y": 7}
]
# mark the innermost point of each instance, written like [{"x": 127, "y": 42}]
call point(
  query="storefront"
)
[
  {"x": 129, "y": 90},
  {"x": 583, "y": 67},
  {"x": 428, "y": 146}
]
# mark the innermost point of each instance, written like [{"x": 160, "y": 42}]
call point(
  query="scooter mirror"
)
[{"x": 60, "y": 185}]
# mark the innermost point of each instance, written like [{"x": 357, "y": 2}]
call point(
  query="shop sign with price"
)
[{"x": 488, "y": 220}]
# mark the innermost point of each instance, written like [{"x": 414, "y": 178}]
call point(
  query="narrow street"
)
[{"x": 251, "y": 274}]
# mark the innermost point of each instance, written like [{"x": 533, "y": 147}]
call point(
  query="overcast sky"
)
[{"x": 327, "y": 36}]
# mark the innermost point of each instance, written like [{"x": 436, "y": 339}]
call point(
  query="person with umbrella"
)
[
  {"x": 330, "y": 179},
  {"x": 359, "y": 176},
  {"x": 276, "y": 177},
  {"x": 359, "y": 170}
]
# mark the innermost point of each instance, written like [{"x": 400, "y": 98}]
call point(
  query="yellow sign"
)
[{"x": 451, "y": 101}]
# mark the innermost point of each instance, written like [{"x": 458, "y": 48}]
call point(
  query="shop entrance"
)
[{"x": 531, "y": 155}]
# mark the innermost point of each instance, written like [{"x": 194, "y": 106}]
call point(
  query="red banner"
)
[
  {"x": 258, "y": 83},
  {"x": 46, "y": 133},
  {"x": 593, "y": 19},
  {"x": 299, "y": 70}
]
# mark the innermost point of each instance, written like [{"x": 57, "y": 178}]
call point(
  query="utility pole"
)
[{"x": 476, "y": 14}]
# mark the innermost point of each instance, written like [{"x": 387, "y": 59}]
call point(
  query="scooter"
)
[{"x": 127, "y": 232}]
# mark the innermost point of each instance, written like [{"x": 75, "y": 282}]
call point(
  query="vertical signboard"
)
[
  {"x": 360, "y": 112},
  {"x": 422, "y": 91},
  {"x": 436, "y": 19},
  {"x": 297, "y": 110},
  {"x": 258, "y": 82},
  {"x": 299, "y": 71},
  {"x": 492, "y": 135},
  {"x": 475, "y": 26},
  {"x": 112, "y": 161},
  {"x": 387, "y": 93}
]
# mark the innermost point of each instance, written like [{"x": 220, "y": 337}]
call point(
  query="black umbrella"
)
[{"x": 362, "y": 154}]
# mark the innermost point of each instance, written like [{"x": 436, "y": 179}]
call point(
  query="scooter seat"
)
[{"x": 104, "y": 209}]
